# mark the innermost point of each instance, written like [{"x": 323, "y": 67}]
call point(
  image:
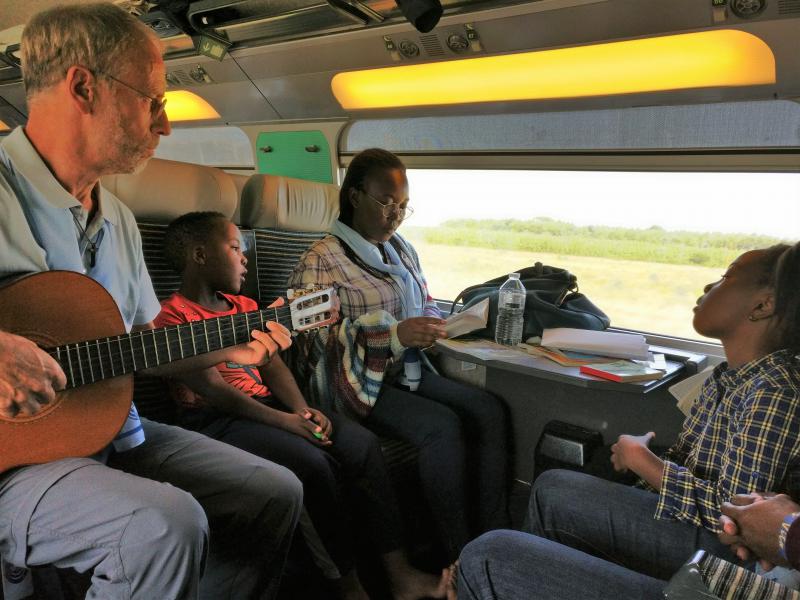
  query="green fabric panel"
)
[{"x": 288, "y": 155}]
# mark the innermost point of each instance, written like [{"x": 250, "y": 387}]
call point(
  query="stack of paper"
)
[
  {"x": 602, "y": 343},
  {"x": 565, "y": 358},
  {"x": 468, "y": 320}
]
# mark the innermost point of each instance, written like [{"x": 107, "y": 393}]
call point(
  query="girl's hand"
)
[{"x": 629, "y": 449}]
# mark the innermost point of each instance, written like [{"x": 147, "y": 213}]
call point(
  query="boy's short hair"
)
[{"x": 185, "y": 231}]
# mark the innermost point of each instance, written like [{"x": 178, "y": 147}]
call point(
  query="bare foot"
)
[
  {"x": 452, "y": 581},
  {"x": 415, "y": 584}
]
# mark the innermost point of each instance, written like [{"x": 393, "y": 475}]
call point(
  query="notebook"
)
[{"x": 622, "y": 370}]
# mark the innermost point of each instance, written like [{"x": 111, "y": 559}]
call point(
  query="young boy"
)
[{"x": 261, "y": 410}]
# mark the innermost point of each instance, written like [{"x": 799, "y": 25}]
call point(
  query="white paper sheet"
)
[
  {"x": 475, "y": 317},
  {"x": 604, "y": 343}
]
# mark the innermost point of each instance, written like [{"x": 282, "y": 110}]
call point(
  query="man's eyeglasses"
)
[
  {"x": 156, "y": 105},
  {"x": 387, "y": 208}
]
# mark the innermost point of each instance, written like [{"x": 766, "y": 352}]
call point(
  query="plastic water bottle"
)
[{"x": 510, "y": 309}]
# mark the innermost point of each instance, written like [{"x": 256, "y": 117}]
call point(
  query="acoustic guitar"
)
[{"x": 75, "y": 320}]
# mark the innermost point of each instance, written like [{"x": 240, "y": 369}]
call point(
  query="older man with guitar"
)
[{"x": 84, "y": 482}]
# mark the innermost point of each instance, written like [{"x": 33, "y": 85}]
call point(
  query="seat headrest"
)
[
  {"x": 238, "y": 181},
  {"x": 167, "y": 189},
  {"x": 281, "y": 202}
]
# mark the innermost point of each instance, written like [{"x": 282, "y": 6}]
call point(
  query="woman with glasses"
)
[{"x": 371, "y": 366}]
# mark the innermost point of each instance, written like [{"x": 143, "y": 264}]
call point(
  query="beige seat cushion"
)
[
  {"x": 167, "y": 189},
  {"x": 239, "y": 181},
  {"x": 277, "y": 202}
]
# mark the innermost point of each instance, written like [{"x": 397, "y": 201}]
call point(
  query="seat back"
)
[
  {"x": 238, "y": 180},
  {"x": 287, "y": 216}
]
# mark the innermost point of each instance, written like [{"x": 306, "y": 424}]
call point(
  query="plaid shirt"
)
[
  {"x": 343, "y": 367},
  {"x": 361, "y": 289},
  {"x": 742, "y": 435}
]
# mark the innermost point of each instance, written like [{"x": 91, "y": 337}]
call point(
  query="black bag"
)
[{"x": 552, "y": 300}]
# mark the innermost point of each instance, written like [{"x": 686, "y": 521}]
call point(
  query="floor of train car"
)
[
  {"x": 301, "y": 580},
  {"x": 297, "y": 584},
  {"x": 424, "y": 552}
]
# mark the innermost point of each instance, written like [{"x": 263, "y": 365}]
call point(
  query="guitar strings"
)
[{"x": 98, "y": 350}]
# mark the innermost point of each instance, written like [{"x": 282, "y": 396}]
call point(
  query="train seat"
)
[{"x": 287, "y": 216}]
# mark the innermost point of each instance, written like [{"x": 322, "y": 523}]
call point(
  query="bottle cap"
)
[{"x": 513, "y": 275}]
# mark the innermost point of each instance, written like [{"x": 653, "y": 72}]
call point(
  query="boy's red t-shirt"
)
[{"x": 177, "y": 309}]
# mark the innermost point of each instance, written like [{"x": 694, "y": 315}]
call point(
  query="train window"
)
[
  {"x": 642, "y": 244},
  {"x": 212, "y": 146}
]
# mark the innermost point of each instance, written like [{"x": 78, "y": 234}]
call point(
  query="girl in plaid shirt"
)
[{"x": 742, "y": 434}]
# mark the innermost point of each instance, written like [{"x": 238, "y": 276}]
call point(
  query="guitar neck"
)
[{"x": 95, "y": 360}]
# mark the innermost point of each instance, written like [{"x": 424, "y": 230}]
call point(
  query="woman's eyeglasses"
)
[{"x": 387, "y": 208}]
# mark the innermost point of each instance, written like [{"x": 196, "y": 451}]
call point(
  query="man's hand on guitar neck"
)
[{"x": 29, "y": 377}]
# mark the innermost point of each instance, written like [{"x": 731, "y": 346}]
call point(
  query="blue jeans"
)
[
  {"x": 511, "y": 565},
  {"x": 614, "y": 522}
]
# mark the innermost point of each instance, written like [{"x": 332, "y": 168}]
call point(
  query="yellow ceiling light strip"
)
[
  {"x": 4, "y": 127},
  {"x": 719, "y": 58},
  {"x": 183, "y": 105}
]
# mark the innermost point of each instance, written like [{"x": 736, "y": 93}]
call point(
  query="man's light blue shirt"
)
[{"x": 38, "y": 233}]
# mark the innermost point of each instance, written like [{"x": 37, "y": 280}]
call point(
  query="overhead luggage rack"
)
[{"x": 255, "y": 22}]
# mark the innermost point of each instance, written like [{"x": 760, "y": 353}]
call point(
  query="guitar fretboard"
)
[{"x": 94, "y": 360}]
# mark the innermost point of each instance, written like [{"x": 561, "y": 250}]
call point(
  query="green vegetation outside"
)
[
  {"x": 543, "y": 235},
  {"x": 648, "y": 280}
]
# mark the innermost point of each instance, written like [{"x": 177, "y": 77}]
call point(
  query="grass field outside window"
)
[{"x": 642, "y": 262}]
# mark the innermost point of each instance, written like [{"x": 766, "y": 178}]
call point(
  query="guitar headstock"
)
[{"x": 311, "y": 309}]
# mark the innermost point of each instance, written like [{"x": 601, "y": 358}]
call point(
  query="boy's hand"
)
[
  {"x": 312, "y": 414},
  {"x": 629, "y": 449},
  {"x": 751, "y": 523},
  {"x": 263, "y": 347},
  {"x": 305, "y": 428}
]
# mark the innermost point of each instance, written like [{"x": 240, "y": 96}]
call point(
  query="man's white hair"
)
[{"x": 100, "y": 37}]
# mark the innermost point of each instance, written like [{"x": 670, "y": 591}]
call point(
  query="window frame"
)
[{"x": 753, "y": 160}]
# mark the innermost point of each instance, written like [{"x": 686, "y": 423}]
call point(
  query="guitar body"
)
[
  {"x": 54, "y": 308},
  {"x": 77, "y": 321}
]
